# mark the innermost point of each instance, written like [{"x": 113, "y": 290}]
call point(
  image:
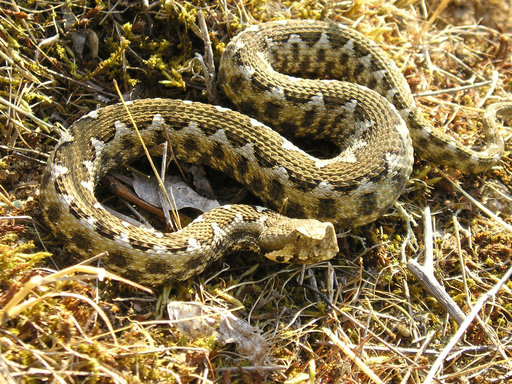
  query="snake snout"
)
[{"x": 302, "y": 241}]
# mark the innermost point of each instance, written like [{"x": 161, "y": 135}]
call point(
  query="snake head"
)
[{"x": 302, "y": 241}]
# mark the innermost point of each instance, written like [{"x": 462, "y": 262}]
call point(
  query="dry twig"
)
[{"x": 425, "y": 272}]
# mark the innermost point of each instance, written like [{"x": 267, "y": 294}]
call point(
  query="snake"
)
[{"x": 285, "y": 81}]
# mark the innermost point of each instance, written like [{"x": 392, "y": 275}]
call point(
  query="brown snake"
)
[{"x": 267, "y": 71}]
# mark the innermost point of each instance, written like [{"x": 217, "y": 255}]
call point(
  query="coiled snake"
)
[{"x": 362, "y": 104}]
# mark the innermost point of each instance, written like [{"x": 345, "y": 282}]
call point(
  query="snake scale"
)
[{"x": 314, "y": 80}]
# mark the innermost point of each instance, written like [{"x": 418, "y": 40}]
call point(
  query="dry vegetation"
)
[{"x": 362, "y": 317}]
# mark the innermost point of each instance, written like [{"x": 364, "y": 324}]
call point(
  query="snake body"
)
[{"x": 361, "y": 103}]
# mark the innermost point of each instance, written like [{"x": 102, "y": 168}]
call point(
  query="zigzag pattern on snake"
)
[{"x": 362, "y": 104}]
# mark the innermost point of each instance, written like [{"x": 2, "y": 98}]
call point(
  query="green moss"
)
[{"x": 14, "y": 259}]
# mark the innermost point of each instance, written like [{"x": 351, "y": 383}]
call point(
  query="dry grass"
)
[{"x": 361, "y": 317}]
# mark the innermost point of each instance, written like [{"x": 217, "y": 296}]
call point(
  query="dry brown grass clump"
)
[{"x": 362, "y": 317}]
